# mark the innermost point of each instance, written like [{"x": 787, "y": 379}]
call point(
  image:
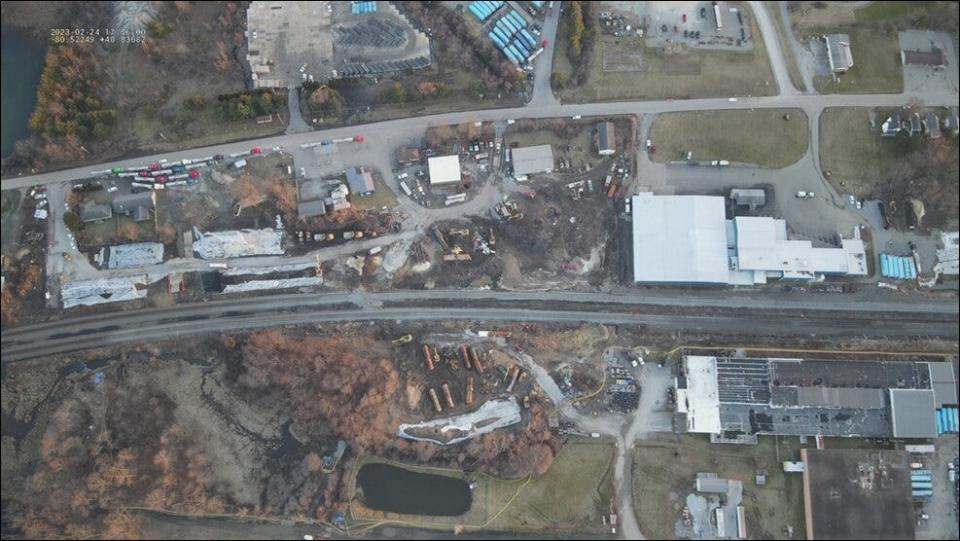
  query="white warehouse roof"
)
[
  {"x": 679, "y": 239},
  {"x": 762, "y": 245},
  {"x": 532, "y": 160},
  {"x": 444, "y": 169},
  {"x": 700, "y": 400}
]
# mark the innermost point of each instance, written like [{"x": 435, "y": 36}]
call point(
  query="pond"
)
[
  {"x": 22, "y": 64},
  {"x": 398, "y": 490}
]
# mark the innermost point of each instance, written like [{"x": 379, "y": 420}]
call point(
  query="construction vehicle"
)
[
  {"x": 405, "y": 339},
  {"x": 464, "y": 232},
  {"x": 439, "y": 237},
  {"x": 516, "y": 375}
]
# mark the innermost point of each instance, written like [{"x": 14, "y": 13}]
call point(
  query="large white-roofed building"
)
[
  {"x": 444, "y": 169},
  {"x": 679, "y": 239},
  {"x": 687, "y": 239}
]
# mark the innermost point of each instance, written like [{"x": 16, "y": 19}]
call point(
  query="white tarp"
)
[
  {"x": 136, "y": 254},
  {"x": 283, "y": 283},
  {"x": 90, "y": 292},
  {"x": 240, "y": 243},
  {"x": 493, "y": 414}
]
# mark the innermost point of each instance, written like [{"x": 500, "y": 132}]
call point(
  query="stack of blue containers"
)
[
  {"x": 947, "y": 421},
  {"x": 483, "y": 9},
  {"x": 511, "y": 36},
  {"x": 360, "y": 8},
  {"x": 901, "y": 268}
]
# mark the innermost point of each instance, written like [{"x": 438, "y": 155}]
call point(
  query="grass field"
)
[
  {"x": 759, "y": 137},
  {"x": 383, "y": 197},
  {"x": 883, "y": 11},
  {"x": 857, "y": 156},
  {"x": 203, "y": 128},
  {"x": 664, "y": 474},
  {"x": 694, "y": 73},
  {"x": 876, "y": 64},
  {"x": 570, "y": 497},
  {"x": 792, "y": 68}
]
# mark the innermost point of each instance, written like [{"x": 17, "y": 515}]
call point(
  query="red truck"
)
[{"x": 256, "y": 150}]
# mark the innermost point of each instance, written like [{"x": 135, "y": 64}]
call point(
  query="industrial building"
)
[
  {"x": 857, "y": 494},
  {"x": 606, "y": 139},
  {"x": 737, "y": 399},
  {"x": 687, "y": 239},
  {"x": 531, "y": 161},
  {"x": 838, "y": 52},
  {"x": 444, "y": 169},
  {"x": 748, "y": 198}
]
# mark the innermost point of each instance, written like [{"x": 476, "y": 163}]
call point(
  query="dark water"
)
[
  {"x": 22, "y": 65},
  {"x": 397, "y": 490}
]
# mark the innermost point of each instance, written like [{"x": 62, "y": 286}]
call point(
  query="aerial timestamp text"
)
[{"x": 95, "y": 35}]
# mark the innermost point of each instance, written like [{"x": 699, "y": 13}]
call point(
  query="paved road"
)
[
  {"x": 542, "y": 89},
  {"x": 376, "y": 133},
  {"x": 778, "y": 62}
]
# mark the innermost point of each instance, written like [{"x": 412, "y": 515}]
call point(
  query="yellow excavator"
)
[{"x": 405, "y": 339}]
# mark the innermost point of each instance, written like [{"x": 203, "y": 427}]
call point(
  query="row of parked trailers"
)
[
  {"x": 899, "y": 267},
  {"x": 511, "y": 36},
  {"x": 483, "y": 9}
]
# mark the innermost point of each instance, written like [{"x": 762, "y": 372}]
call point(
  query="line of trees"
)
[
  {"x": 250, "y": 104},
  {"x": 68, "y": 98},
  {"x": 456, "y": 45},
  {"x": 582, "y": 35}
]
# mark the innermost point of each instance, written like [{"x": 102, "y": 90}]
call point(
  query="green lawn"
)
[
  {"x": 570, "y": 497},
  {"x": 857, "y": 156},
  {"x": 383, "y": 197},
  {"x": 876, "y": 64},
  {"x": 760, "y": 137},
  {"x": 694, "y": 73},
  {"x": 882, "y": 11},
  {"x": 665, "y": 472}
]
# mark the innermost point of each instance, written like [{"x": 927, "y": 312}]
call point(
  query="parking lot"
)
[
  {"x": 941, "y": 509},
  {"x": 693, "y": 24}
]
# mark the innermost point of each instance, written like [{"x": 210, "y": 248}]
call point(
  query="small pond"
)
[{"x": 398, "y": 490}]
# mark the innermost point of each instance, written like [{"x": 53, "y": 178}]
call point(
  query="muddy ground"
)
[
  {"x": 23, "y": 261},
  {"x": 213, "y": 426},
  {"x": 237, "y": 424}
]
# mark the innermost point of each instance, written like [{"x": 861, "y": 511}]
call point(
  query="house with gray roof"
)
[
  {"x": 135, "y": 205},
  {"x": 838, "y": 52},
  {"x": 360, "y": 181}
]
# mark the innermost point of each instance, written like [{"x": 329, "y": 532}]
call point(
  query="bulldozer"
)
[{"x": 405, "y": 339}]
